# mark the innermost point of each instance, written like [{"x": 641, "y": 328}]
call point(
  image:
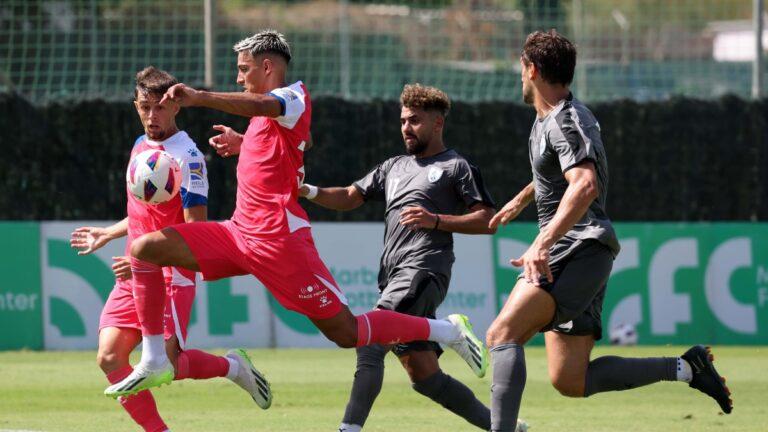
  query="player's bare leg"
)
[
  {"x": 115, "y": 346},
  {"x": 574, "y": 375},
  {"x": 149, "y": 253},
  {"x": 527, "y": 310},
  {"x": 387, "y": 327}
]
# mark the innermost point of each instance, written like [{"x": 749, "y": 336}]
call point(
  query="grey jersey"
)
[
  {"x": 566, "y": 137},
  {"x": 445, "y": 183}
]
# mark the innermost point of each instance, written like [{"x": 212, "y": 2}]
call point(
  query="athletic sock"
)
[
  {"x": 196, "y": 364},
  {"x": 507, "y": 386},
  {"x": 369, "y": 376},
  {"x": 388, "y": 328},
  {"x": 153, "y": 350},
  {"x": 456, "y": 397},
  {"x": 684, "y": 371},
  {"x": 611, "y": 373},
  {"x": 141, "y": 406},
  {"x": 149, "y": 297}
]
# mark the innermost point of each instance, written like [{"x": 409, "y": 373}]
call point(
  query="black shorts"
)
[
  {"x": 580, "y": 270},
  {"x": 418, "y": 293}
]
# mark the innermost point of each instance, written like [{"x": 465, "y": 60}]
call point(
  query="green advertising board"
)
[
  {"x": 21, "y": 304},
  {"x": 677, "y": 283}
]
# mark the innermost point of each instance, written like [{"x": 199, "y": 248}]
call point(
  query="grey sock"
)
[
  {"x": 456, "y": 397},
  {"x": 507, "y": 386},
  {"x": 617, "y": 373},
  {"x": 367, "y": 383}
]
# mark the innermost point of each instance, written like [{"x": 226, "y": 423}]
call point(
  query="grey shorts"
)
[
  {"x": 580, "y": 270},
  {"x": 417, "y": 293}
]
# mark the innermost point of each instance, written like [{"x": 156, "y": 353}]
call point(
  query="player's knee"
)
[
  {"x": 145, "y": 248},
  {"x": 140, "y": 248},
  {"x": 498, "y": 335},
  {"x": 109, "y": 361},
  {"x": 568, "y": 387}
]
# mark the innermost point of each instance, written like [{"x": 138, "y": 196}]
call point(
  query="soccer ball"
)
[
  {"x": 153, "y": 177},
  {"x": 623, "y": 334}
]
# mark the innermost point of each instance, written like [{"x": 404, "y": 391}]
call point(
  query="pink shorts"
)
[
  {"x": 288, "y": 266},
  {"x": 120, "y": 310}
]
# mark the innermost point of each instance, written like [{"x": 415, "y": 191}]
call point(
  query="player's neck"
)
[
  {"x": 432, "y": 149},
  {"x": 173, "y": 130},
  {"x": 548, "y": 97},
  {"x": 275, "y": 83}
]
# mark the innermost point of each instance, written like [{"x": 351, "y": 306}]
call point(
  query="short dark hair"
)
[
  {"x": 154, "y": 81},
  {"x": 426, "y": 98},
  {"x": 553, "y": 55}
]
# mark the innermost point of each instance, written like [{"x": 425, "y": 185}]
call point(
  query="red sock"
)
[
  {"x": 388, "y": 327},
  {"x": 198, "y": 364},
  {"x": 141, "y": 406},
  {"x": 149, "y": 296}
]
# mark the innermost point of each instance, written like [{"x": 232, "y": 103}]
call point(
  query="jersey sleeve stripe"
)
[
  {"x": 191, "y": 199},
  {"x": 282, "y": 102}
]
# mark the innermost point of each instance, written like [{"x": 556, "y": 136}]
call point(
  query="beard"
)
[
  {"x": 415, "y": 147},
  {"x": 528, "y": 94},
  {"x": 157, "y": 134}
]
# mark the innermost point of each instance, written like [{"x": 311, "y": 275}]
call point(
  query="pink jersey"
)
[
  {"x": 271, "y": 168},
  {"x": 145, "y": 218}
]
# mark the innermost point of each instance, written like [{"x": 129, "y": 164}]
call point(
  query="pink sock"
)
[
  {"x": 197, "y": 364},
  {"x": 149, "y": 296},
  {"x": 141, "y": 406},
  {"x": 388, "y": 327}
]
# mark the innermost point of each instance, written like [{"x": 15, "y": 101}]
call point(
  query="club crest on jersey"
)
[
  {"x": 542, "y": 144},
  {"x": 434, "y": 174}
]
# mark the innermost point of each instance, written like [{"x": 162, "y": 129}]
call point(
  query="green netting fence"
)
[{"x": 639, "y": 49}]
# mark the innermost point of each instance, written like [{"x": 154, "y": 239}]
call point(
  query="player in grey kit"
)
[
  {"x": 566, "y": 268},
  {"x": 430, "y": 193}
]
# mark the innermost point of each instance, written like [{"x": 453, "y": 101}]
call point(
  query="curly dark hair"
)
[
  {"x": 426, "y": 98},
  {"x": 153, "y": 81},
  {"x": 553, "y": 55}
]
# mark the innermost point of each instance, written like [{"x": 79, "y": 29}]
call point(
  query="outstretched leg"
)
[{"x": 527, "y": 310}]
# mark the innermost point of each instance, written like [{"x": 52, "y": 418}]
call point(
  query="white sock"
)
[
  {"x": 345, "y": 427},
  {"x": 153, "y": 351},
  {"x": 684, "y": 371},
  {"x": 234, "y": 368},
  {"x": 443, "y": 331}
]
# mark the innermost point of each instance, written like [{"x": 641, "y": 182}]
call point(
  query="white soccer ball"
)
[
  {"x": 153, "y": 177},
  {"x": 623, "y": 334}
]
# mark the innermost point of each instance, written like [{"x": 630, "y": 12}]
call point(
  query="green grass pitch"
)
[{"x": 62, "y": 391}]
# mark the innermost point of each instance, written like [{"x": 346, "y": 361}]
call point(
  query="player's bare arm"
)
[
  {"x": 335, "y": 198},
  {"x": 582, "y": 190},
  {"x": 513, "y": 208},
  {"x": 244, "y": 104},
  {"x": 196, "y": 214},
  {"x": 476, "y": 221},
  {"x": 228, "y": 142},
  {"x": 89, "y": 239}
]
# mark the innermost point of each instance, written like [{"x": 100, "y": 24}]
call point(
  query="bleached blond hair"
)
[{"x": 265, "y": 42}]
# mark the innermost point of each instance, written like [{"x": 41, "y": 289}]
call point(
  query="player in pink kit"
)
[
  {"x": 269, "y": 233},
  {"x": 119, "y": 327}
]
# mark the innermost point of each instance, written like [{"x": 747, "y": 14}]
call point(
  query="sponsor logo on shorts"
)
[
  {"x": 314, "y": 291},
  {"x": 566, "y": 327}
]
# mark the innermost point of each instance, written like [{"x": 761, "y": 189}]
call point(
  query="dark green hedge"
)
[{"x": 678, "y": 160}]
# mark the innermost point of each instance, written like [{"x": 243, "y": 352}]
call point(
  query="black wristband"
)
[{"x": 437, "y": 221}]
